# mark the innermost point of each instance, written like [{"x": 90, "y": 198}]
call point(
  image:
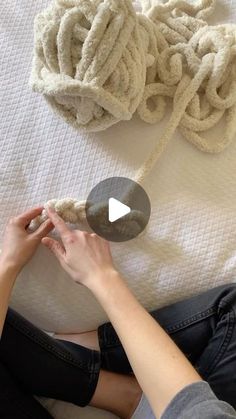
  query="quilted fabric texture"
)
[{"x": 190, "y": 243}]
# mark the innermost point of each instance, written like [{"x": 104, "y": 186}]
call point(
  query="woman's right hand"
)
[{"x": 85, "y": 257}]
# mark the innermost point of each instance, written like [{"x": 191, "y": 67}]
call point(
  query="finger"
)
[
  {"x": 58, "y": 222},
  {"x": 54, "y": 246},
  {"x": 43, "y": 229},
  {"x": 27, "y": 216}
]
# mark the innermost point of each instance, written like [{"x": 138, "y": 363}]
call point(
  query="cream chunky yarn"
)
[{"x": 97, "y": 62}]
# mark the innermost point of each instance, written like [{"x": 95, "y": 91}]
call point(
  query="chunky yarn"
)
[
  {"x": 90, "y": 61},
  {"x": 97, "y": 62}
]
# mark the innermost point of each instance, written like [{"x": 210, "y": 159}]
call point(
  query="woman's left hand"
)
[{"x": 19, "y": 245}]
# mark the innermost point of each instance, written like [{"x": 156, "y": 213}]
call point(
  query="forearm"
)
[
  {"x": 160, "y": 367},
  {"x": 18, "y": 246},
  {"x": 7, "y": 279}
]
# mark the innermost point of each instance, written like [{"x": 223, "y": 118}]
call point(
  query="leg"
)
[
  {"x": 47, "y": 367},
  {"x": 15, "y": 402},
  {"x": 204, "y": 328},
  {"x": 63, "y": 370},
  {"x": 117, "y": 393}
]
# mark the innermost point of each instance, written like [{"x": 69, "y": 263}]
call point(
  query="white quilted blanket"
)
[{"x": 190, "y": 244}]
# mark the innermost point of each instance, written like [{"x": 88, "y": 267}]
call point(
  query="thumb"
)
[{"x": 54, "y": 246}]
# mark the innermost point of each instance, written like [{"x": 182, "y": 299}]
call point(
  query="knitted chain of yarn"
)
[{"x": 97, "y": 62}]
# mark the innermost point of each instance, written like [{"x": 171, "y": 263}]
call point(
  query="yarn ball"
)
[{"x": 90, "y": 61}]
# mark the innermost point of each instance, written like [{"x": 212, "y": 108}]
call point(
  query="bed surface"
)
[{"x": 190, "y": 243}]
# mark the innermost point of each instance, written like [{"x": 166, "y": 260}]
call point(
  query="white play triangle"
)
[{"x": 117, "y": 209}]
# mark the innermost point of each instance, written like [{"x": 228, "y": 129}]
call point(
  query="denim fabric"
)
[
  {"x": 16, "y": 402},
  {"x": 204, "y": 328},
  {"x": 43, "y": 366}
]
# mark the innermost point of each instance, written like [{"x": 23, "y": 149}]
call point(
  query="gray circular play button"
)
[{"x": 118, "y": 209}]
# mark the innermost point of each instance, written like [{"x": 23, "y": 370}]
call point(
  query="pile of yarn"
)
[{"x": 97, "y": 62}]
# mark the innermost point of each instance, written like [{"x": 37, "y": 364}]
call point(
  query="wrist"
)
[
  {"x": 112, "y": 292},
  {"x": 102, "y": 281},
  {"x": 8, "y": 269},
  {"x": 105, "y": 284}
]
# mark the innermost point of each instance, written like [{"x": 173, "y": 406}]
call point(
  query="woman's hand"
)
[
  {"x": 19, "y": 245},
  {"x": 83, "y": 256}
]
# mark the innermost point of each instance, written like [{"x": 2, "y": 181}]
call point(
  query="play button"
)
[{"x": 118, "y": 209}]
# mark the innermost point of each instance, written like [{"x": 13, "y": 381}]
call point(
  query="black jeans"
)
[{"x": 31, "y": 362}]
